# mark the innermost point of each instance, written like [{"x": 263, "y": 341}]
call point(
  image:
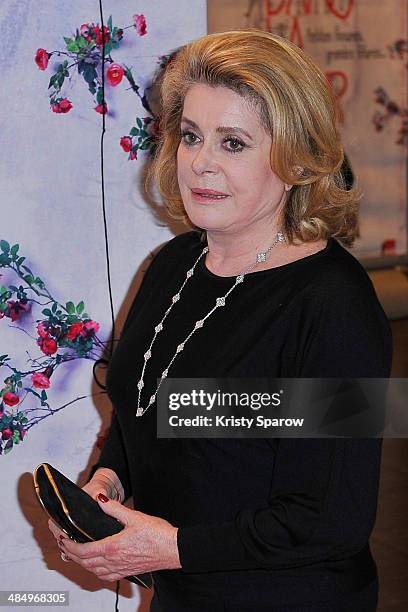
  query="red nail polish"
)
[
  {"x": 62, "y": 537},
  {"x": 102, "y": 498}
]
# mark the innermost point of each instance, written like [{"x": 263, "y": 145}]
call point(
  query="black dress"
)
[{"x": 264, "y": 524}]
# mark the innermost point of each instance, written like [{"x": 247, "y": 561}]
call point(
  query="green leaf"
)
[
  {"x": 134, "y": 132},
  {"x": 4, "y": 246},
  {"x": 70, "y": 307},
  {"x": 85, "y": 315},
  {"x": 110, "y": 24},
  {"x": 14, "y": 249},
  {"x": 108, "y": 47},
  {"x": 67, "y": 40},
  {"x": 81, "y": 42},
  {"x": 43, "y": 395},
  {"x": 99, "y": 96},
  {"x": 89, "y": 73},
  {"x": 20, "y": 260},
  {"x": 73, "y": 46},
  {"x": 92, "y": 88},
  {"x": 139, "y": 122},
  {"x": 29, "y": 278},
  {"x": 80, "y": 307},
  {"x": 9, "y": 446},
  {"x": 47, "y": 312},
  {"x": 54, "y": 307}
]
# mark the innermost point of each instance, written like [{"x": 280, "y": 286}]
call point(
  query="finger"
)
[
  {"x": 65, "y": 558},
  {"x": 111, "y": 577},
  {"x": 55, "y": 529},
  {"x": 87, "y": 550}
]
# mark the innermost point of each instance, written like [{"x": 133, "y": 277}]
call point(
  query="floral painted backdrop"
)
[{"x": 78, "y": 108}]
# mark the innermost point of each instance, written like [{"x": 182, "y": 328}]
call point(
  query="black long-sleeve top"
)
[{"x": 282, "y": 520}]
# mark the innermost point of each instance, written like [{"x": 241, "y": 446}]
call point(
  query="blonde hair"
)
[{"x": 295, "y": 106}]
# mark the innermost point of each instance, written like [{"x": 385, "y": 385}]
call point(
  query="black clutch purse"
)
[{"x": 76, "y": 513}]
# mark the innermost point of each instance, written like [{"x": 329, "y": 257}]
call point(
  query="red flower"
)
[
  {"x": 6, "y": 434},
  {"x": 140, "y": 24},
  {"x": 11, "y": 399},
  {"x": 40, "y": 381},
  {"x": 47, "y": 345},
  {"x": 115, "y": 74},
  {"x": 22, "y": 432},
  {"x": 15, "y": 309},
  {"x": 98, "y": 35},
  {"x": 126, "y": 143},
  {"x": 41, "y": 58},
  {"x": 119, "y": 34},
  {"x": 61, "y": 106},
  {"x": 102, "y": 109},
  {"x": 42, "y": 331},
  {"x": 133, "y": 155},
  {"x": 74, "y": 330},
  {"x": 65, "y": 105},
  {"x": 91, "y": 327}
]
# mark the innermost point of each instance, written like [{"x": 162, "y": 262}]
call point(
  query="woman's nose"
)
[{"x": 204, "y": 160}]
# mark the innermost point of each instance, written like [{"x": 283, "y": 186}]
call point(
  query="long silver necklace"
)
[{"x": 219, "y": 303}]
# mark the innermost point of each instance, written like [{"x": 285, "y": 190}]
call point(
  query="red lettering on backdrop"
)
[
  {"x": 287, "y": 4},
  {"x": 272, "y": 9},
  {"x": 331, "y": 5},
  {"x": 295, "y": 35},
  {"x": 338, "y": 81}
]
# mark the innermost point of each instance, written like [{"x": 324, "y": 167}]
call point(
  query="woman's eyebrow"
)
[{"x": 221, "y": 129}]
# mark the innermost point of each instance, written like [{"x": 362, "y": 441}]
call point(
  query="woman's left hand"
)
[{"x": 147, "y": 543}]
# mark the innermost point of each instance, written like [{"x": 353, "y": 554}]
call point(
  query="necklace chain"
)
[{"x": 219, "y": 303}]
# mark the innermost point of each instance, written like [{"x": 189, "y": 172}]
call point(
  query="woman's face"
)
[{"x": 225, "y": 149}]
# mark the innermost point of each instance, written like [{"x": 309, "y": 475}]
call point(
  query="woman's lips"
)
[{"x": 205, "y": 196}]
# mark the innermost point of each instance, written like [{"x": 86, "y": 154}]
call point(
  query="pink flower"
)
[
  {"x": 74, "y": 330},
  {"x": 40, "y": 381},
  {"x": 84, "y": 29},
  {"x": 6, "y": 434},
  {"x": 115, "y": 74},
  {"x": 41, "y": 330},
  {"x": 11, "y": 399},
  {"x": 102, "y": 109},
  {"x": 41, "y": 58},
  {"x": 126, "y": 143},
  {"x": 91, "y": 327},
  {"x": 47, "y": 345},
  {"x": 22, "y": 432},
  {"x": 140, "y": 24},
  {"x": 133, "y": 155}
]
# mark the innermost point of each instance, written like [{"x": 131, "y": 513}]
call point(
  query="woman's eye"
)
[
  {"x": 188, "y": 137},
  {"x": 235, "y": 145}
]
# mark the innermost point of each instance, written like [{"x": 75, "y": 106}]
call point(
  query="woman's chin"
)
[{"x": 207, "y": 218}]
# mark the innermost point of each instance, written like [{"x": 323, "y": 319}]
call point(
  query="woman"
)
[{"x": 250, "y": 157}]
